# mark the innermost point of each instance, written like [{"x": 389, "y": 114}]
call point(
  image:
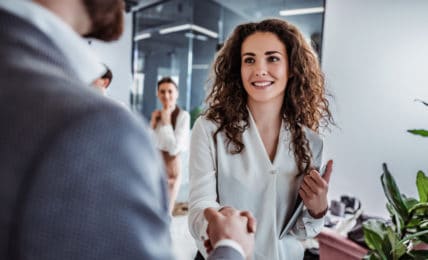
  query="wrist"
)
[{"x": 318, "y": 215}]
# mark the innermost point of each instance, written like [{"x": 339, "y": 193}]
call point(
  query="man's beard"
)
[{"x": 106, "y": 18}]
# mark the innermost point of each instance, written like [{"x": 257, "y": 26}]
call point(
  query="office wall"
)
[
  {"x": 117, "y": 55},
  {"x": 375, "y": 56}
]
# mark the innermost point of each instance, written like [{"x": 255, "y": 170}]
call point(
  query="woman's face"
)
[
  {"x": 264, "y": 68},
  {"x": 167, "y": 94}
]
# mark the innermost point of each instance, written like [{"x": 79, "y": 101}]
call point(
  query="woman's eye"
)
[
  {"x": 249, "y": 60},
  {"x": 273, "y": 58}
]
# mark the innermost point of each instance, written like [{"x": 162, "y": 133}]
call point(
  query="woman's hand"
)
[
  {"x": 154, "y": 119},
  {"x": 313, "y": 191},
  {"x": 165, "y": 116}
]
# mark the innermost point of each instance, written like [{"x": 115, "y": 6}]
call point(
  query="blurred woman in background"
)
[{"x": 171, "y": 126}]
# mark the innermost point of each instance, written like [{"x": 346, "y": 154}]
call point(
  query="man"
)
[
  {"x": 103, "y": 82},
  {"x": 79, "y": 178}
]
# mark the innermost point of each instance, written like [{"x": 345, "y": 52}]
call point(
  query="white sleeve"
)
[
  {"x": 202, "y": 179},
  {"x": 176, "y": 141},
  {"x": 306, "y": 226}
]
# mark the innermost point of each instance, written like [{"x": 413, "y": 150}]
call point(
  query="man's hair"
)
[{"x": 167, "y": 80}]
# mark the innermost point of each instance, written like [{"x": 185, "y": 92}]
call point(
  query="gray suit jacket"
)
[
  {"x": 79, "y": 177},
  {"x": 225, "y": 253}
]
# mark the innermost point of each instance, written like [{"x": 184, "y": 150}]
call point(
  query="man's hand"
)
[
  {"x": 313, "y": 191},
  {"x": 230, "y": 224}
]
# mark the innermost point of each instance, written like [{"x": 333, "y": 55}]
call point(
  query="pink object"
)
[{"x": 334, "y": 246}]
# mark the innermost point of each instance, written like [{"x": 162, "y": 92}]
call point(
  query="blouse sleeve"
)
[
  {"x": 176, "y": 141},
  {"x": 202, "y": 171}
]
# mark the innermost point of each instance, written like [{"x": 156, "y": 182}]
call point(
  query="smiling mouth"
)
[{"x": 262, "y": 84}]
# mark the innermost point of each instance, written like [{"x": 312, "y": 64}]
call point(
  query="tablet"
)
[{"x": 297, "y": 210}]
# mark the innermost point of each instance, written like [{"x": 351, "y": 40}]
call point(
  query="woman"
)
[
  {"x": 171, "y": 126},
  {"x": 257, "y": 146}
]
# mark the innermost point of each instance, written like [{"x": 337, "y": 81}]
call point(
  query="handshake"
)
[{"x": 229, "y": 224}]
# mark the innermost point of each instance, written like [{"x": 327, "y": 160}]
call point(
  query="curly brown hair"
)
[{"x": 304, "y": 105}]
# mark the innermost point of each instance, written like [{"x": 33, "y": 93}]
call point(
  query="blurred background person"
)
[{"x": 172, "y": 128}]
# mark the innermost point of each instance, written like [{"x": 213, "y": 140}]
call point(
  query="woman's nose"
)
[
  {"x": 261, "y": 73},
  {"x": 261, "y": 70}
]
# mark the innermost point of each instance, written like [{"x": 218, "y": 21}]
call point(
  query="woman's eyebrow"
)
[
  {"x": 272, "y": 52},
  {"x": 248, "y": 54}
]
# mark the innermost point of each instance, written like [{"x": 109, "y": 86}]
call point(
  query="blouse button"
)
[{"x": 274, "y": 171}]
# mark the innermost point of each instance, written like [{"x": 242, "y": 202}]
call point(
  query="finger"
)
[
  {"x": 310, "y": 182},
  {"x": 303, "y": 196},
  {"x": 252, "y": 223},
  {"x": 308, "y": 192},
  {"x": 228, "y": 211},
  {"x": 211, "y": 214},
  {"x": 328, "y": 170}
]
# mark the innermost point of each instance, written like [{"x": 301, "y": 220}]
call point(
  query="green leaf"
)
[
  {"x": 423, "y": 224},
  {"x": 398, "y": 249},
  {"x": 421, "y": 132},
  {"x": 419, "y": 254},
  {"x": 392, "y": 193},
  {"x": 375, "y": 234},
  {"x": 413, "y": 236},
  {"x": 410, "y": 202},
  {"x": 396, "y": 218},
  {"x": 422, "y": 184},
  {"x": 413, "y": 224},
  {"x": 424, "y": 238},
  {"x": 419, "y": 212},
  {"x": 371, "y": 256}
]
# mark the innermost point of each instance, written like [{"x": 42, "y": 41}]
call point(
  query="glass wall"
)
[{"x": 179, "y": 38}]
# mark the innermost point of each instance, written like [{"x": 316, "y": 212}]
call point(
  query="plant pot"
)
[{"x": 334, "y": 246}]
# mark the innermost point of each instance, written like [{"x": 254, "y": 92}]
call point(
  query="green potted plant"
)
[{"x": 399, "y": 238}]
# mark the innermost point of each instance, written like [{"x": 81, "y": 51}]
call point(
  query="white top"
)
[
  {"x": 250, "y": 181},
  {"x": 174, "y": 141},
  {"x": 81, "y": 58}
]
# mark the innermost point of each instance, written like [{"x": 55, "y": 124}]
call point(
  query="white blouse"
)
[
  {"x": 250, "y": 181},
  {"x": 174, "y": 141}
]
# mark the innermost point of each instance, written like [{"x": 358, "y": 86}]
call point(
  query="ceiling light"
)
[
  {"x": 142, "y": 36},
  {"x": 188, "y": 26},
  {"x": 313, "y": 10},
  {"x": 177, "y": 28}
]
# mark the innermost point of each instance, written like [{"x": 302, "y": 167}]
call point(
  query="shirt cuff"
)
[
  {"x": 230, "y": 243},
  {"x": 204, "y": 234},
  {"x": 313, "y": 226}
]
